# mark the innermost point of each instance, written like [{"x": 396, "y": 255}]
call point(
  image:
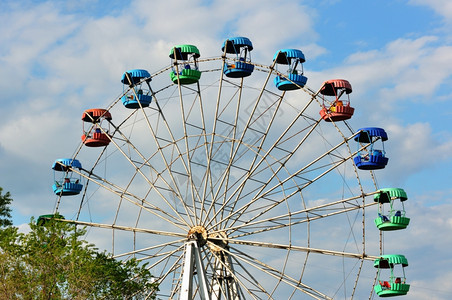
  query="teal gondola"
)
[
  {"x": 66, "y": 182},
  {"x": 136, "y": 93},
  {"x": 395, "y": 218},
  {"x": 390, "y": 280},
  {"x": 293, "y": 78},
  {"x": 240, "y": 65}
]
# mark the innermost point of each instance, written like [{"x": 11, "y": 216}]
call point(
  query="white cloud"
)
[
  {"x": 20, "y": 135},
  {"x": 441, "y": 7},
  {"x": 398, "y": 65},
  {"x": 30, "y": 34},
  {"x": 415, "y": 147}
]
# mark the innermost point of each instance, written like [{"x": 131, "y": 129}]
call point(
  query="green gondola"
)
[
  {"x": 185, "y": 65},
  {"x": 42, "y": 219},
  {"x": 396, "y": 284},
  {"x": 395, "y": 219}
]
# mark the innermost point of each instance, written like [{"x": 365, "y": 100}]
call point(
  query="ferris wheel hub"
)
[{"x": 198, "y": 233}]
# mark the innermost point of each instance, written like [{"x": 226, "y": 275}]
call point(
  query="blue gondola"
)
[
  {"x": 138, "y": 95},
  {"x": 241, "y": 65},
  {"x": 371, "y": 158},
  {"x": 293, "y": 79},
  {"x": 66, "y": 183}
]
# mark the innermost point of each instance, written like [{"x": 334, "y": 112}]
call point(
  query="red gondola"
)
[
  {"x": 96, "y": 135},
  {"x": 334, "y": 108}
]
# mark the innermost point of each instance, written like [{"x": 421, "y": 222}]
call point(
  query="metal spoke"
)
[
  {"x": 273, "y": 272},
  {"x": 291, "y": 219},
  {"x": 244, "y": 208},
  {"x": 138, "y": 170},
  {"x": 300, "y": 248}
]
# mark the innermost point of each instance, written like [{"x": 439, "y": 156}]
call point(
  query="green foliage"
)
[
  {"x": 53, "y": 262},
  {"x": 5, "y": 210}
]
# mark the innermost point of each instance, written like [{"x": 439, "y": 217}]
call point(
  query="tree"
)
[
  {"x": 53, "y": 262},
  {"x": 5, "y": 210}
]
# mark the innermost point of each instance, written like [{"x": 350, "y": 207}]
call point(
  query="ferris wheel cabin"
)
[
  {"x": 42, "y": 219},
  {"x": 293, "y": 79},
  {"x": 395, "y": 218},
  {"x": 371, "y": 157},
  {"x": 66, "y": 183},
  {"x": 240, "y": 66},
  {"x": 391, "y": 276},
  {"x": 138, "y": 95},
  {"x": 185, "y": 65},
  {"x": 335, "y": 108},
  {"x": 96, "y": 135}
]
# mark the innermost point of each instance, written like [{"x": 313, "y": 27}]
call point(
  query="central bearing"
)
[{"x": 198, "y": 233}]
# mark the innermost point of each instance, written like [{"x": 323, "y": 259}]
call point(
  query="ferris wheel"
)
[{"x": 234, "y": 180}]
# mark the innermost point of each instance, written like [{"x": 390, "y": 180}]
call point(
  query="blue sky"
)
[{"x": 58, "y": 58}]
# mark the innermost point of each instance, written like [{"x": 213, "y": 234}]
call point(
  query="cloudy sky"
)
[{"x": 58, "y": 58}]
